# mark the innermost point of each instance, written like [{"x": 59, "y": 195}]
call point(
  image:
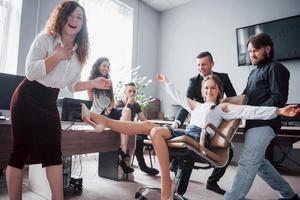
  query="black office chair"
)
[{"x": 184, "y": 151}]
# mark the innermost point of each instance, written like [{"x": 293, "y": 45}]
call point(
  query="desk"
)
[{"x": 81, "y": 139}]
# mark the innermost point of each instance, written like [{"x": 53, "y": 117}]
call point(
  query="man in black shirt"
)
[
  {"x": 267, "y": 85},
  {"x": 204, "y": 65}
]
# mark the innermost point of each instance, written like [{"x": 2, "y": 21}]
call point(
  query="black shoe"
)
[
  {"x": 215, "y": 188},
  {"x": 123, "y": 157},
  {"x": 295, "y": 197},
  {"x": 126, "y": 169},
  {"x": 150, "y": 171}
]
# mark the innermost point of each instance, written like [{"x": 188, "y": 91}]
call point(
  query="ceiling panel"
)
[{"x": 162, "y": 5}]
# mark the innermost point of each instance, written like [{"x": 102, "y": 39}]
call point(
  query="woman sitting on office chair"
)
[{"x": 201, "y": 113}]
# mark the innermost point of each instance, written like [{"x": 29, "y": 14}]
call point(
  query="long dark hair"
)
[
  {"x": 58, "y": 20},
  {"x": 95, "y": 73},
  {"x": 220, "y": 86}
]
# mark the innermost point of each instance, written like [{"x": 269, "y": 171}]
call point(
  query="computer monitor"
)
[
  {"x": 8, "y": 84},
  {"x": 71, "y": 109}
]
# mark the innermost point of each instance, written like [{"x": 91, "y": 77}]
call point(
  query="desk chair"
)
[{"x": 184, "y": 151}]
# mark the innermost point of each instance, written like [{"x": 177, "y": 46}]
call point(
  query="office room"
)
[{"x": 141, "y": 38}]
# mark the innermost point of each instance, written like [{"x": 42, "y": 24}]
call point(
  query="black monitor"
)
[
  {"x": 8, "y": 84},
  {"x": 71, "y": 109}
]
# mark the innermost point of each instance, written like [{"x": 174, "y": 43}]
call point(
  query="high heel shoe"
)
[
  {"x": 86, "y": 117},
  {"x": 123, "y": 157}
]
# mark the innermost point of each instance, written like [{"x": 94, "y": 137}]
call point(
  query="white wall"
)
[
  {"x": 210, "y": 25},
  {"x": 146, "y": 42}
]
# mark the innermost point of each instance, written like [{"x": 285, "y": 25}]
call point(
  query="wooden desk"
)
[{"x": 80, "y": 139}]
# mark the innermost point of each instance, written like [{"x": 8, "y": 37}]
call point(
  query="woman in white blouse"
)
[
  {"x": 201, "y": 113},
  {"x": 55, "y": 60}
]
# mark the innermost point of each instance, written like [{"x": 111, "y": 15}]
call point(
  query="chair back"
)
[{"x": 228, "y": 128}]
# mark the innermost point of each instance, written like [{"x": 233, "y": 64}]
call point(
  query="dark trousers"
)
[
  {"x": 215, "y": 176},
  {"x": 139, "y": 150}
]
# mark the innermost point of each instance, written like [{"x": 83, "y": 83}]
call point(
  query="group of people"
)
[{"x": 55, "y": 60}]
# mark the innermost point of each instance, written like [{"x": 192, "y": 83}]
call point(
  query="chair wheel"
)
[{"x": 137, "y": 195}]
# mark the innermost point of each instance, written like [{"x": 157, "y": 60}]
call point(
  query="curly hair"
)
[
  {"x": 220, "y": 86},
  {"x": 95, "y": 73},
  {"x": 58, "y": 20}
]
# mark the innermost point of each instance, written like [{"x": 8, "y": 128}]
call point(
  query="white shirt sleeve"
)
[
  {"x": 249, "y": 112},
  {"x": 35, "y": 63},
  {"x": 177, "y": 96},
  {"x": 71, "y": 85}
]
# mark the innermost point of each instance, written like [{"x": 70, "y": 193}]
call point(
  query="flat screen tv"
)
[
  {"x": 285, "y": 34},
  {"x": 8, "y": 84}
]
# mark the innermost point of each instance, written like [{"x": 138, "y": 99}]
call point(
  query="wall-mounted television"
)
[{"x": 285, "y": 34}]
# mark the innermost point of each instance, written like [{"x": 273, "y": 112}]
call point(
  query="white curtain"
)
[
  {"x": 110, "y": 27},
  {"x": 10, "y": 18}
]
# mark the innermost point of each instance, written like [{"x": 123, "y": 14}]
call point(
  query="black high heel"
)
[{"x": 122, "y": 162}]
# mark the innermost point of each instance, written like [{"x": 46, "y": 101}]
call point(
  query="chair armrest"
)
[{"x": 217, "y": 131}]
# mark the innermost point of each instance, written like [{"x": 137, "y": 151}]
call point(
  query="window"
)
[
  {"x": 10, "y": 18},
  {"x": 110, "y": 27}
]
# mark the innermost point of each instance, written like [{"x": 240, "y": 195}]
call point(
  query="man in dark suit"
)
[{"x": 204, "y": 65}]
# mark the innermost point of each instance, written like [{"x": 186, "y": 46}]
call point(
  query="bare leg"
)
[
  {"x": 14, "y": 180},
  {"x": 124, "y": 156},
  {"x": 126, "y": 127},
  {"x": 55, "y": 179},
  {"x": 159, "y": 136},
  {"x": 126, "y": 116}
]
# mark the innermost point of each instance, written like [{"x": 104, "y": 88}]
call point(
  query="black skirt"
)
[{"x": 36, "y": 125}]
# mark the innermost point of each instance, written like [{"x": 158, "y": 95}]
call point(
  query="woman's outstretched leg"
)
[
  {"x": 126, "y": 127},
  {"x": 159, "y": 136}
]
